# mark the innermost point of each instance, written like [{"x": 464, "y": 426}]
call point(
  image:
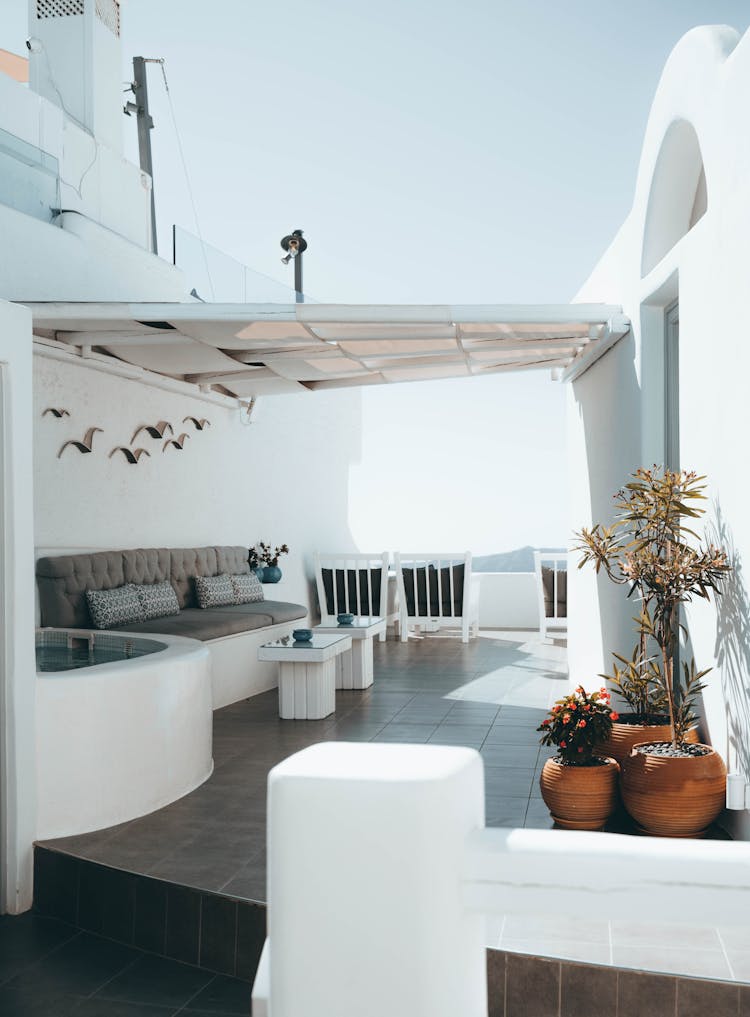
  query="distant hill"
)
[{"x": 519, "y": 560}]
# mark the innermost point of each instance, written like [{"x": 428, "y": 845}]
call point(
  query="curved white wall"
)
[
  {"x": 616, "y": 409},
  {"x": 116, "y": 741}
]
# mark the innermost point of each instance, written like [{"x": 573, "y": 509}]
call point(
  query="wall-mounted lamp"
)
[{"x": 295, "y": 245}]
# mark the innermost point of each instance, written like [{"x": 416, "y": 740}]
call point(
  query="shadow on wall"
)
[
  {"x": 609, "y": 401},
  {"x": 732, "y": 650}
]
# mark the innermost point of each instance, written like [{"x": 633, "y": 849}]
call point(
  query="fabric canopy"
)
[{"x": 255, "y": 349}]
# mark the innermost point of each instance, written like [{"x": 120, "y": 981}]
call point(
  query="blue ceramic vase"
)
[{"x": 271, "y": 574}]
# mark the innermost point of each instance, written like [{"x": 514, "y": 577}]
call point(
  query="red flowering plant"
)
[{"x": 577, "y": 723}]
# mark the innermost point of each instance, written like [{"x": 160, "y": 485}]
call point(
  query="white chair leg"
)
[
  {"x": 465, "y": 629},
  {"x": 403, "y": 630}
]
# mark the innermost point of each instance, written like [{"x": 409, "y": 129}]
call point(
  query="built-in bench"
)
[{"x": 233, "y": 633}]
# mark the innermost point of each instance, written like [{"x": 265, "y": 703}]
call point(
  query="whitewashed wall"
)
[
  {"x": 283, "y": 478},
  {"x": 508, "y": 600},
  {"x": 616, "y": 409}
]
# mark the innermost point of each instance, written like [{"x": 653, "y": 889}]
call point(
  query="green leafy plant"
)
[
  {"x": 651, "y": 549},
  {"x": 269, "y": 556},
  {"x": 638, "y": 683},
  {"x": 577, "y": 723}
]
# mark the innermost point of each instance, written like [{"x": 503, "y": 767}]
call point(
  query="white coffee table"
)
[
  {"x": 355, "y": 669},
  {"x": 307, "y": 674}
]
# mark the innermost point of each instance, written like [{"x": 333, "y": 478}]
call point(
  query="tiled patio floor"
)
[{"x": 491, "y": 695}]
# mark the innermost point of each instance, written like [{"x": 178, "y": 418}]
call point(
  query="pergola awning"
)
[{"x": 256, "y": 349}]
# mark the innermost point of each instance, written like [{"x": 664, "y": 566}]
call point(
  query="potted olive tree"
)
[{"x": 670, "y": 785}]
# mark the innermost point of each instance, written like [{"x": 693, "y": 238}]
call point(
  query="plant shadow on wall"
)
[{"x": 732, "y": 649}]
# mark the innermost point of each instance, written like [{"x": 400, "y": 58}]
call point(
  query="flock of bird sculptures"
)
[{"x": 162, "y": 429}]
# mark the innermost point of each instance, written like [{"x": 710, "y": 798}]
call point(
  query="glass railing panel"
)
[
  {"x": 216, "y": 277},
  {"x": 29, "y": 178}
]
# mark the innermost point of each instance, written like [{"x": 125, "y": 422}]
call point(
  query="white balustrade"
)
[{"x": 381, "y": 873}]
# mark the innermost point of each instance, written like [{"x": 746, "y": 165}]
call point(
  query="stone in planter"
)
[{"x": 626, "y": 733}]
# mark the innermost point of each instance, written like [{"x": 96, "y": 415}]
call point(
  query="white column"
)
[
  {"x": 17, "y": 668},
  {"x": 366, "y": 856}
]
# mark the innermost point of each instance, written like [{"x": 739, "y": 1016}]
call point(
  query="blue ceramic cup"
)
[
  {"x": 302, "y": 635},
  {"x": 345, "y": 619}
]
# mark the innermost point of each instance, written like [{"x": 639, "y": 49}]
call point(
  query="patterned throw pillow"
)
[
  {"x": 158, "y": 600},
  {"x": 247, "y": 588},
  {"x": 109, "y": 608},
  {"x": 214, "y": 591}
]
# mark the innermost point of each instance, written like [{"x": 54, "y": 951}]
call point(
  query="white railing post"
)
[{"x": 366, "y": 912}]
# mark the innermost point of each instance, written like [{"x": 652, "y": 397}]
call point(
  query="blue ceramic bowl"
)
[
  {"x": 302, "y": 635},
  {"x": 345, "y": 619}
]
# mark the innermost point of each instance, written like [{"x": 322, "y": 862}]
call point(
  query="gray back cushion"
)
[{"x": 63, "y": 580}]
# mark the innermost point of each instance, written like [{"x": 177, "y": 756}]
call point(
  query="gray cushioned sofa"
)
[{"x": 63, "y": 581}]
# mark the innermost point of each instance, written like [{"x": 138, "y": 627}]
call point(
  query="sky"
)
[{"x": 457, "y": 151}]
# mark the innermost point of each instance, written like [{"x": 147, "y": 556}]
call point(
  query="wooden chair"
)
[
  {"x": 437, "y": 591},
  {"x": 353, "y": 584},
  {"x": 552, "y": 590}
]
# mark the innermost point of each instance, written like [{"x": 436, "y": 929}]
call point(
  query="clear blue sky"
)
[{"x": 453, "y": 151}]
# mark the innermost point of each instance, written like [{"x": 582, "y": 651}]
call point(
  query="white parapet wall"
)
[
  {"x": 508, "y": 600},
  {"x": 381, "y": 874}
]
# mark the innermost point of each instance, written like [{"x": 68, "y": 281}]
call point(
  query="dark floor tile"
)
[
  {"x": 157, "y": 981},
  {"x": 697, "y": 998},
  {"x": 644, "y": 995},
  {"x": 532, "y": 987},
  {"x": 150, "y": 927},
  {"x": 37, "y": 1001},
  {"x": 587, "y": 991},
  {"x": 251, "y": 935},
  {"x": 106, "y": 901},
  {"x": 495, "y": 983},
  {"x": 56, "y": 884},
  {"x": 27, "y": 938},
  {"x": 183, "y": 923},
  {"x": 80, "y": 966},
  {"x": 98, "y": 1007},
  {"x": 219, "y": 934},
  {"x": 223, "y": 995}
]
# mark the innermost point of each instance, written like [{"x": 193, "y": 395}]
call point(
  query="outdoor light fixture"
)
[{"x": 295, "y": 245}]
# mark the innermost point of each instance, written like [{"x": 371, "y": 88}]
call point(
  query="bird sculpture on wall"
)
[
  {"x": 155, "y": 430},
  {"x": 178, "y": 442},
  {"x": 87, "y": 445},
  {"x": 56, "y": 411},
  {"x": 132, "y": 455},
  {"x": 199, "y": 424}
]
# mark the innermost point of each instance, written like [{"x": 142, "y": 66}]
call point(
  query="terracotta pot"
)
[
  {"x": 625, "y": 736},
  {"x": 580, "y": 797},
  {"x": 673, "y": 796}
]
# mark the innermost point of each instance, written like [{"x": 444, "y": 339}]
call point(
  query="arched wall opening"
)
[{"x": 679, "y": 195}]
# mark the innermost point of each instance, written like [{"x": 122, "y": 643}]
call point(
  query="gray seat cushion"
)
[
  {"x": 211, "y": 623},
  {"x": 214, "y": 622},
  {"x": 278, "y": 610}
]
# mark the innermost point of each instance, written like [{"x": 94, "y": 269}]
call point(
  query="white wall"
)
[
  {"x": 95, "y": 180},
  {"x": 283, "y": 478},
  {"x": 706, "y": 82},
  {"x": 507, "y": 600},
  {"x": 17, "y": 668}
]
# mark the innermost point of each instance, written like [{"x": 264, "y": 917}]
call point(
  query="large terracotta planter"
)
[
  {"x": 625, "y": 736},
  {"x": 674, "y": 796},
  {"x": 580, "y": 797}
]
